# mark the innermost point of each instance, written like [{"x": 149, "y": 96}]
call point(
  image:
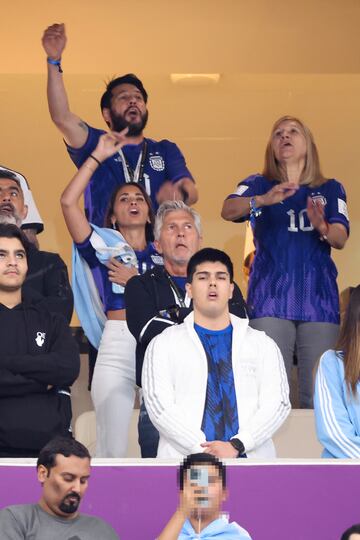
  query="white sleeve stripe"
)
[
  {"x": 151, "y": 385},
  {"x": 185, "y": 439},
  {"x": 156, "y": 318},
  {"x": 282, "y": 411},
  {"x": 329, "y": 419}
]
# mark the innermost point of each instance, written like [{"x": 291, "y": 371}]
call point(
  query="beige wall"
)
[{"x": 274, "y": 58}]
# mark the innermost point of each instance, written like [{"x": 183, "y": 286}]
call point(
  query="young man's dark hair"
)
[
  {"x": 8, "y": 230},
  {"x": 209, "y": 255},
  {"x": 355, "y": 529},
  {"x": 201, "y": 459},
  {"x": 129, "y": 78},
  {"x": 66, "y": 446}
]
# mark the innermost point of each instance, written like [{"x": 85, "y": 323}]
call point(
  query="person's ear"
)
[
  {"x": 231, "y": 291},
  {"x": 42, "y": 473},
  {"x": 225, "y": 495},
  {"x": 158, "y": 246},
  {"x": 188, "y": 289},
  {"x": 24, "y": 212},
  {"x": 107, "y": 116}
]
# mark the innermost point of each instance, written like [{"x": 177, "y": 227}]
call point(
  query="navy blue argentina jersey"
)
[
  {"x": 163, "y": 162},
  {"x": 293, "y": 276},
  {"x": 146, "y": 259}
]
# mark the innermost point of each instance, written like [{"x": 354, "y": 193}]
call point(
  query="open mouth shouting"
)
[{"x": 7, "y": 207}]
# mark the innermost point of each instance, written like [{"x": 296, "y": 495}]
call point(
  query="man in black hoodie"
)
[{"x": 39, "y": 359}]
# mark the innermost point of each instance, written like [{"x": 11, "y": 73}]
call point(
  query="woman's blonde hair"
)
[{"x": 311, "y": 174}]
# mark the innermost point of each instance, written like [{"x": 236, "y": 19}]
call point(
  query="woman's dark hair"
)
[
  {"x": 201, "y": 459},
  {"x": 149, "y": 227},
  {"x": 66, "y": 446},
  {"x": 349, "y": 341}
]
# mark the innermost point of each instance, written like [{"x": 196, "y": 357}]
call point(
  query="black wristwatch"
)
[{"x": 238, "y": 445}]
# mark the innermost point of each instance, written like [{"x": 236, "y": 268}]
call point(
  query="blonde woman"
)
[
  {"x": 297, "y": 216},
  {"x": 336, "y": 400}
]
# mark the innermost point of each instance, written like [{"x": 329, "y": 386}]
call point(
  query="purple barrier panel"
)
[{"x": 273, "y": 502}]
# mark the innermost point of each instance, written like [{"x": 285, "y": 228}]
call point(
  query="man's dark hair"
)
[
  {"x": 209, "y": 255},
  {"x": 201, "y": 459},
  {"x": 355, "y": 529},
  {"x": 66, "y": 446},
  {"x": 8, "y": 230},
  {"x": 9, "y": 175},
  {"x": 129, "y": 78}
]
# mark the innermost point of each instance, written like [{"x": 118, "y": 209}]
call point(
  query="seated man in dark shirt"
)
[{"x": 39, "y": 359}]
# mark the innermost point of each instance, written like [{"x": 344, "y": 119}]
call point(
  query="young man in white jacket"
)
[{"x": 213, "y": 383}]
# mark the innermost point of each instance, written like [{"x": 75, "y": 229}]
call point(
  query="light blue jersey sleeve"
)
[{"x": 335, "y": 410}]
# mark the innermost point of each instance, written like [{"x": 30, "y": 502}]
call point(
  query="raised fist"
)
[{"x": 54, "y": 41}]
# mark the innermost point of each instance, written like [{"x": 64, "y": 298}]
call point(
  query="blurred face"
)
[
  {"x": 64, "y": 485},
  {"x": 13, "y": 264},
  {"x": 203, "y": 487},
  {"x": 288, "y": 142},
  {"x": 130, "y": 208},
  {"x": 12, "y": 207},
  {"x": 210, "y": 289},
  {"x": 179, "y": 238},
  {"x": 354, "y": 536},
  {"x": 128, "y": 109}
]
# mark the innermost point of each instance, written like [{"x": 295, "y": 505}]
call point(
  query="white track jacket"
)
[{"x": 174, "y": 382}]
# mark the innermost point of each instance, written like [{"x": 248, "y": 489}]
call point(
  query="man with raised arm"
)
[{"x": 159, "y": 166}]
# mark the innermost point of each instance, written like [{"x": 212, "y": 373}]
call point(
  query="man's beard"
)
[
  {"x": 70, "y": 507},
  {"x": 135, "y": 128},
  {"x": 10, "y": 219}
]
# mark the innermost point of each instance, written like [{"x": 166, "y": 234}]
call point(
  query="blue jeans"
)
[{"x": 148, "y": 434}]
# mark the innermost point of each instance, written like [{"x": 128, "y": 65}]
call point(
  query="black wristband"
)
[
  {"x": 238, "y": 445},
  {"x": 97, "y": 161}
]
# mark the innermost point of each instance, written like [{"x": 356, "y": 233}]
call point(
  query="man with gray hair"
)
[
  {"x": 160, "y": 293},
  {"x": 47, "y": 277},
  {"x": 32, "y": 224}
]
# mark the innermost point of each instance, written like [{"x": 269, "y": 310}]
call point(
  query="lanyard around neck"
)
[
  {"x": 179, "y": 295},
  {"x": 130, "y": 174}
]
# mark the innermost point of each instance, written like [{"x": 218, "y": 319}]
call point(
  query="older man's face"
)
[
  {"x": 179, "y": 238},
  {"x": 12, "y": 207}
]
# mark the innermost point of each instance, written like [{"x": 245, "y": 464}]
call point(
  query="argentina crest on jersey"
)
[
  {"x": 157, "y": 259},
  {"x": 318, "y": 197},
  {"x": 157, "y": 162}
]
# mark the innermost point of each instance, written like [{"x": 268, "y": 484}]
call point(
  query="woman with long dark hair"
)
[
  {"x": 117, "y": 252},
  {"x": 297, "y": 216},
  {"x": 337, "y": 389}
]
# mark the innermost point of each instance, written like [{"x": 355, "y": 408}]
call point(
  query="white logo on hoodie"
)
[{"x": 40, "y": 338}]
